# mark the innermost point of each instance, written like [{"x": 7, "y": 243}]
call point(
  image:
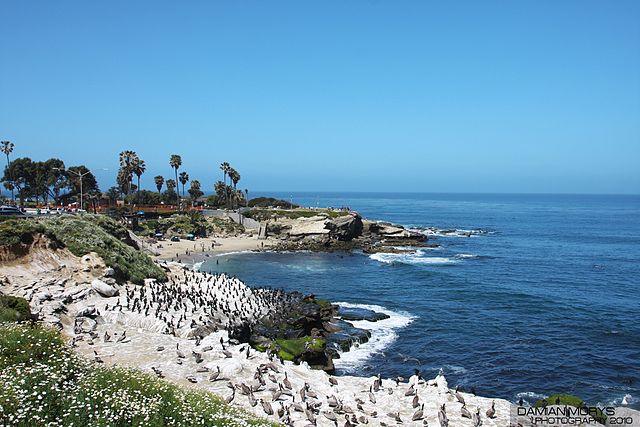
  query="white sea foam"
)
[
  {"x": 454, "y": 369},
  {"x": 531, "y": 396},
  {"x": 383, "y": 333},
  {"x": 452, "y": 232},
  {"x": 413, "y": 258},
  {"x": 233, "y": 253}
]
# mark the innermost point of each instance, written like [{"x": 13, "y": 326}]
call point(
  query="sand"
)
[{"x": 185, "y": 250}]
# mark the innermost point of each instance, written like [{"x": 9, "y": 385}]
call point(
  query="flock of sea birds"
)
[{"x": 191, "y": 300}]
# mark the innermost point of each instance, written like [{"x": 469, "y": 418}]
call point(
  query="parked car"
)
[
  {"x": 175, "y": 239},
  {"x": 12, "y": 212}
]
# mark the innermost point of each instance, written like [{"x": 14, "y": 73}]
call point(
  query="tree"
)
[
  {"x": 7, "y": 148},
  {"x": 170, "y": 194},
  {"x": 171, "y": 185},
  {"x": 184, "y": 178},
  {"x": 246, "y": 193},
  {"x": 128, "y": 161},
  {"x": 81, "y": 181},
  {"x": 21, "y": 174},
  {"x": 159, "y": 180},
  {"x": 225, "y": 167},
  {"x": 194, "y": 191},
  {"x": 234, "y": 176},
  {"x": 175, "y": 162},
  {"x": 138, "y": 169},
  {"x": 112, "y": 194}
]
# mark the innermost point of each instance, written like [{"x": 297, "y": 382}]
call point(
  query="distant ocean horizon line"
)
[{"x": 262, "y": 193}]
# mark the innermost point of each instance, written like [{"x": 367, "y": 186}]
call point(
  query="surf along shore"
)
[{"x": 263, "y": 350}]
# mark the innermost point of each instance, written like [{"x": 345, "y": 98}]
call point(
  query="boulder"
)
[
  {"x": 89, "y": 311},
  {"x": 103, "y": 288},
  {"x": 108, "y": 272},
  {"x": 346, "y": 227}
]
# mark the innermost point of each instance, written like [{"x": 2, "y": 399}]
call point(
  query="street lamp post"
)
[{"x": 80, "y": 175}]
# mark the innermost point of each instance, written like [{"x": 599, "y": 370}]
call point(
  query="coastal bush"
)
[
  {"x": 84, "y": 234},
  {"x": 13, "y": 309},
  {"x": 561, "y": 399},
  {"x": 267, "y": 214},
  {"x": 268, "y": 202},
  {"x": 292, "y": 349},
  {"x": 575, "y": 401},
  {"x": 43, "y": 382}
]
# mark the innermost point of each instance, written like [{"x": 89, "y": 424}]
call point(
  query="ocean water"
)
[{"x": 542, "y": 298}]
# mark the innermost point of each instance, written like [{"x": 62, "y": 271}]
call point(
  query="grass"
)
[
  {"x": 84, "y": 234},
  {"x": 291, "y": 349},
  {"x": 265, "y": 214},
  {"x": 43, "y": 382},
  {"x": 13, "y": 309},
  {"x": 195, "y": 223},
  {"x": 575, "y": 401}
]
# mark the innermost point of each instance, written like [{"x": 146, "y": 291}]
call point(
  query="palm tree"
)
[
  {"x": 128, "y": 160},
  {"x": 175, "y": 162},
  {"x": 159, "y": 180},
  {"x": 7, "y": 148},
  {"x": 225, "y": 166},
  {"x": 138, "y": 169},
  {"x": 234, "y": 176},
  {"x": 171, "y": 185},
  {"x": 195, "y": 191},
  {"x": 184, "y": 178}
]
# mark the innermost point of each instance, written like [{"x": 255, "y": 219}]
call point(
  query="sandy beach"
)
[{"x": 189, "y": 249}]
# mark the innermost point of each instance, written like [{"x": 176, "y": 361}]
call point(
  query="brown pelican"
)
[
  {"x": 266, "y": 407},
  {"x": 442, "y": 416},
  {"x": 215, "y": 375},
  {"x": 465, "y": 412},
  {"x": 491, "y": 412},
  {"x": 459, "y": 396},
  {"x": 419, "y": 414}
]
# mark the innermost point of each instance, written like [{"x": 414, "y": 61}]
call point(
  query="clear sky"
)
[{"x": 464, "y": 96}]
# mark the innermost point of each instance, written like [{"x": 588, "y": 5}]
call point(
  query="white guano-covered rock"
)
[{"x": 103, "y": 289}]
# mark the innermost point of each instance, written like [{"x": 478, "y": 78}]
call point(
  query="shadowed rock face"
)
[
  {"x": 345, "y": 228},
  {"x": 357, "y": 313},
  {"x": 306, "y": 319}
]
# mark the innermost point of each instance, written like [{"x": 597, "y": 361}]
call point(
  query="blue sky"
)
[{"x": 477, "y": 96}]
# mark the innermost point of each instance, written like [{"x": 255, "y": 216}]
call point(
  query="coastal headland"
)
[{"x": 132, "y": 300}]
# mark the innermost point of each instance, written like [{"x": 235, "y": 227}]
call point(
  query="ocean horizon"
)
[{"x": 527, "y": 295}]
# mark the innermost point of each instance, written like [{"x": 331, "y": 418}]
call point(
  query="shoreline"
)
[{"x": 62, "y": 288}]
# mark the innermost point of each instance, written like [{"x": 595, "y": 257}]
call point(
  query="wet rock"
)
[{"x": 358, "y": 313}]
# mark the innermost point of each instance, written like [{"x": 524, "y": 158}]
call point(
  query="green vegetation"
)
[
  {"x": 292, "y": 349},
  {"x": 43, "y": 382},
  {"x": 192, "y": 223},
  {"x": 84, "y": 234},
  {"x": 575, "y": 401},
  {"x": 13, "y": 309},
  {"x": 561, "y": 399},
  {"x": 266, "y": 214},
  {"x": 270, "y": 202}
]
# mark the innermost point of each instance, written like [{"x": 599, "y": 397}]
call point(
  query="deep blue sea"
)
[{"x": 543, "y": 298}]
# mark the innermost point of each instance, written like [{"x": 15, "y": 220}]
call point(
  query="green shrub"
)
[
  {"x": 13, "y": 309},
  {"x": 43, "y": 382},
  {"x": 84, "y": 234},
  {"x": 291, "y": 349}
]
